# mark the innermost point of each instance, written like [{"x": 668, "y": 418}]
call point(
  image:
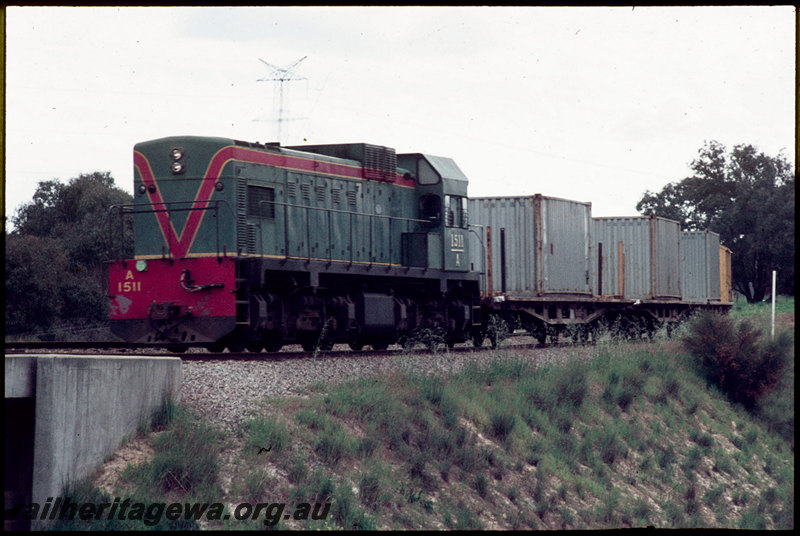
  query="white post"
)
[{"x": 773, "y": 304}]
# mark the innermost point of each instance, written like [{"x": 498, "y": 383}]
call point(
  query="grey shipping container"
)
[
  {"x": 700, "y": 265},
  {"x": 637, "y": 257},
  {"x": 531, "y": 246}
]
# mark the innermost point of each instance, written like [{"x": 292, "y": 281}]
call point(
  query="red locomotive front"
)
[{"x": 184, "y": 301}]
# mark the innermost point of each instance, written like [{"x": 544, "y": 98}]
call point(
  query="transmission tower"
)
[{"x": 282, "y": 75}]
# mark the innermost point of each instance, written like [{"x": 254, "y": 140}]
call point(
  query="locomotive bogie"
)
[{"x": 366, "y": 306}]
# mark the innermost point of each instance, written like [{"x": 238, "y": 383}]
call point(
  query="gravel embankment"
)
[{"x": 227, "y": 392}]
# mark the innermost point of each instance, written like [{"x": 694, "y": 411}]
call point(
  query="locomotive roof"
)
[
  {"x": 352, "y": 153},
  {"x": 446, "y": 167}
]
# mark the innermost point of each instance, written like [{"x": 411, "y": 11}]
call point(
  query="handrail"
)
[
  {"x": 329, "y": 211},
  {"x": 135, "y": 208},
  {"x": 132, "y": 209},
  {"x": 483, "y": 251},
  {"x": 292, "y": 205}
]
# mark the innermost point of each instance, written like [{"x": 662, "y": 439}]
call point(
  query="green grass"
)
[
  {"x": 267, "y": 433},
  {"x": 185, "y": 461},
  {"x": 783, "y": 305}
]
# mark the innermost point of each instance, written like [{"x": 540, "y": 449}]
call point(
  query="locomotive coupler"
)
[{"x": 165, "y": 317}]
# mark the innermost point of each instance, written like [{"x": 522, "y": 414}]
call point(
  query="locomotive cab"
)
[{"x": 441, "y": 241}]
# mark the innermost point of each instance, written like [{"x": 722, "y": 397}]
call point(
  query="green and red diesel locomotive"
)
[{"x": 244, "y": 245}]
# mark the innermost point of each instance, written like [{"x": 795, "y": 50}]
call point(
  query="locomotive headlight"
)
[
  {"x": 219, "y": 186},
  {"x": 177, "y": 167},
  {"x": 141, "y": 265},
  {"x": 176, "y": 154},
  {"x": 142, "y": 188}
]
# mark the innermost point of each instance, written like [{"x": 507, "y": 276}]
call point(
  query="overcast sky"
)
[{"x": 584, "y": 103}]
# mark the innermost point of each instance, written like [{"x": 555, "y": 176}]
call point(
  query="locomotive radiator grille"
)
[
  {"x": 380, "y": 163},
  {"x": 245, "y": 233}
]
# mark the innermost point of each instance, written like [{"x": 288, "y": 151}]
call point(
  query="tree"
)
[
  {"x": 76, "y": 213},
  {"x": 55, "y": 255},
  {"x": 35, "y": 266},
  {"x": 748, "y": 198}
]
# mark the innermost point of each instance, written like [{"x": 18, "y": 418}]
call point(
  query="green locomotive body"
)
[{"x": 323, "y": 243}]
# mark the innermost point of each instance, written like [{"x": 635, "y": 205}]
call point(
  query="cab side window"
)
[
  {"x": 430, "y": 209},
  {"x": 455, "y": 211}
]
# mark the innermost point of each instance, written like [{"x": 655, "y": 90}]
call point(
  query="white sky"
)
[{"x": 585, "y": 103}]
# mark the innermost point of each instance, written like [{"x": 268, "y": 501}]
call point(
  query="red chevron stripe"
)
[
  {"x": 145, "y": 171},
  {"x": 181, "y": 245}
]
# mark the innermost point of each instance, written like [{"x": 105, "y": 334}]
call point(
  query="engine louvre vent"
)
[{"x": 380, "y": 163}]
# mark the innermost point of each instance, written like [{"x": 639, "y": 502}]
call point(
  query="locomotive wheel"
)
[
  {"x": 380, "y": 345},
  {"x": 493, "y": 341},
  {"x": 356, "y": 345},
  {"x": 273, "y": 342},
  {"x": 215, "y": 347},
  {"x": 255, "y": 346},
  {"x": 236, "y": 347},
  {"x": 177, "y": 348},
  {"x": 477, "y": 339},
  {"x": 538, "y": 331},
  {"x": 308, "y": 340}
]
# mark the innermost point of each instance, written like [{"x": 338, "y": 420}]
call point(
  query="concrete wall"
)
[{"x": 84, "y": 407}]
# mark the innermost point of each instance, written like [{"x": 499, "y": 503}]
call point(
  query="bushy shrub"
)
[
  {"x": 735, "y": 356},
  {"x": 571, "y": 386},
  {"x": 502, "y": 423}
]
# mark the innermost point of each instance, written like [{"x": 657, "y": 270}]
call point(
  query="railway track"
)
[{"x": 199, "y": 354}]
